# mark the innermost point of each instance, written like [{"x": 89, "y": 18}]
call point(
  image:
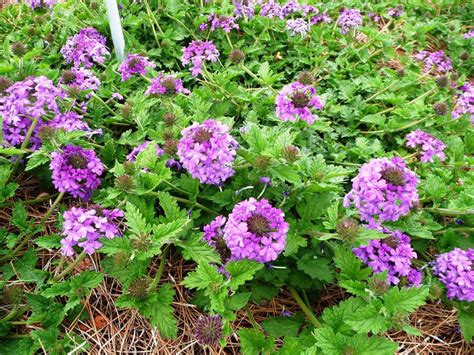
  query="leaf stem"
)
[
  {"x": 94, "y": 95},
  {"x": 28, "y": 202},
  {"x": 71, "y": 267},
  {"x": 24, "y": 144},
  {"x": 448, "y": 212},
  {"x": 312, "y": 318},
  {"x": 252, "y": 320},
  {"x": 161, "y": 267}
]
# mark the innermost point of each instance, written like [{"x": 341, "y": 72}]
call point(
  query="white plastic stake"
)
[{"x": 115, "y": 28}]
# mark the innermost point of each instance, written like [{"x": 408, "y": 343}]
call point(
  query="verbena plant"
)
[{"x": 274, "y": 145}]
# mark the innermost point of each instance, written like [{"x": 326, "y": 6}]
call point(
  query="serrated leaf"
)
[
  {"x": 285, "y": 173},
  {"x": 194, "y": 248},
  {"x": 241, "y": 271},
  {"x": 405, "y": 300},
  {"x": 49, "y": 241},
  {"x": 370, "y": 318},
  {"x": 160, "y": 311},
  {"x": 237, "y": 301},
  {"x": 278, "y": 327},
  {"x": 19, "y": 217},
  {"x": 254, "y": 343},
  {"x": 204, "y": 275},
  {"x": 170, "y": 207},
  {"x": 136, "y": 223},
  {"x": 36, "y": 159},
  {"x": 349, "y": 265},
  {"x": 316, "y": 267},
  {"x": 466, "y": 321}
]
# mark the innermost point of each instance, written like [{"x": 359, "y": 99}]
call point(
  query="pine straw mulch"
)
[{"x": 110, "y": 330}]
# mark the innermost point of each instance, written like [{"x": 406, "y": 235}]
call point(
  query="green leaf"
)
[
  {"x": 170, "y": 207},
  {"x": 237, "y": 301},
  {"x": 336, "y": 316},
  {"x": 466, "y": 321},
  {"x": 167, "y": 232},
  {"x": 286, "y": 173},
  {"x": 241, "y": 271},
  {"x": 49, "y": 241},
  {"x": 160, "y": 310},
  {"x": 370, "y": 318},
  {"x": 49, "y": 314},
  {"x": 316, "y": 267},
  {"x": 405, "y": 300},
  {"x": 19, "y": 217},
  {"x": 195, "y": 249},
  {"x": 350, "y": 266},
  {"x": 136, "y": 223},
  {"x": 204, "y": 276},
  {"x": 36, "y": 159},
  {"x": 279, "y": 327},
  {"x": 254, "y": 343}
]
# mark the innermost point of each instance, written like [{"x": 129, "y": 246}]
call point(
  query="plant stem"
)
[
  {"x": 70, "y": 267},
  {"x": 53, "y": 206},
  {"x": 10, "y": 315},
  {"x": 196, "y": 204},
  {"x": 312, "y": 318},
  {"x": 161, "y": 267},
  {"x": 448, "y": 212},
  {"x": 24, "y": 144},
  {"x": 252, "y": 320},
  {"x": 457, "y": 230},
  {"x": 28, "y": 202},
  {"x": 103, "y": 103},
  {"x": 398, "y": 129}
]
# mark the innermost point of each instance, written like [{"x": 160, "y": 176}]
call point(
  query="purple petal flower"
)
[
  {"x": 255, "y": 230},
  {"x": 298, "y": 26},
  {"x": 137, "y": 150},
  {"x": 465, "y": 103},
  {"x": 437, "y": 60},
  {"x": 395, "y": 11},
  {"x": 227, "y": 23},
  {"x": 384, "y": 190},
  {"x": 349, "y": 19},
  {"x": 134, "y": 64},
  {"x": 298, "y": 101},
  {"x": 69, "y": 121},
  {"x": 162, "y": 85},
  {"x": 43, "y": 3},
  {"x": 207, "y": 151},
  {"x": 85, "y": 48},
  {"x": 430, "y": 146},
  {"x": 323, "y": 18},
  {"x": 76, "y": 170},
  {"x": 81, "y": 78},
  {"x": 469, "y": 34},
  {"x": 197, "y": 52}
]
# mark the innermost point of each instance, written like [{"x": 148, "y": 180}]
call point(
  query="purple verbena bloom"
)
[
  {"x": 162, "y": 85},
  {"x": 374, "y": 16},
  {"x": 384, "y": 190},
  {"x": 43, "y": 3},
  {"x": 134, "y": 64},
  {"x": 137, "y": 150},
  {"x": 173, "y": 164},
  {"x": 244, "y": 8},
  {"x": 430, "y": 146},
  {"x": 255, "y": 230},
  {"x": 298, "y": 26},
  {"x": 437, "y": 60},
  {"x": 207, "y": 151},
  {"x": 197, "y": 52},
  {"x": 24, "y": 101},
  {"x": 308, "y": 9},
  {"x": 393, "y": 254},
  {"x": 81, "y": 78},
  {"x": 349, "y": 19},
  {"x": 298, "y": 101},
  {"x": 469, "y": 34},
  {"x": 289, "y": 8},
  {"x": 83, "y": 227},
  {"x": 271, "y": 9},
  {"x": 117, "y": 96},
  {"x": 227, "y": 23},
  {"x": 213, "y": 232},
  {"x": 85, "y": 48},
  {"x": 76, "y": 170},
  {"x": 455, "y": 269},
  {"x": 69, "y": 121},
  {"x": 395, "y": 11},
  {"x": 265, "y": 180},
  {"x": 465, "y": 102},
  {"x": 323, "y": 18}
]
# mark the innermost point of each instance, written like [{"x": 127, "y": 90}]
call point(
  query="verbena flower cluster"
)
[
  {"x": 383, "y": 190},
  {"x": 298, "y": 101},
  {"x": 76, "y": 170},
  {"x": 395, "y": 11},
  {"x": 85, "y": 48},
  {"x": 430, "y": 146},
  {"x": 166, "y": 84},
  {"x": 43, "y": 3},
  {"x": 321, "y": 18},
  {"x": 455, "y": 269},
  {"x": 213, "y": 232},
  {"x": 469, "y": 34},
  {"x": 349, "y": 19},
  {"x": 69, "y": 121},
  {"x": 24, "y": 101},
  {"x": 465, "y": 103},
  {"x": 84, "y": 227},
  {"x": 298, "y": 26},
  {"x": 80, "y": 78},
  {"x": 393, "y": 254},
  {"x": 134, "y": 64},
  {"x": 197, "y": 52},
  {"x": 137, "y": 150},
  {"x": 255, "y": 230},
  {"x": 207, "y": 151},
  {"x": 434, "y": 61},
  {"x": 214, "y": 21}
]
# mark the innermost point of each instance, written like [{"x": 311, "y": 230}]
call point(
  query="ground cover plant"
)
[{"x": 243, "y": 153}]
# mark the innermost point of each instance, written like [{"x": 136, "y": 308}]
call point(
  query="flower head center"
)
[
  {"x": 202, "y": 135},
  {"x": 393, "y": 176},
  {"x": 300, "y": 99},
  {"x": 259, "y": 225},
  {"x": 77, "y": 161},
  {"x": 391, "y": 241},
  {"x": 134, "y": 62},
  {"x": 68, "y": 77},
  {"x": 170, "y": 85}
]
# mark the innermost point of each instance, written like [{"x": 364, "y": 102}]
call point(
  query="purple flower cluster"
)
[
  {"x": 465, "y": 102},
  {"x": 227, "y": 23},
  {"x": 321, "y": 18},
  {"x": 85, "y": 48},
  {"x": 137, "y": 150},
  {"x": 166, "y": 84},
  {"x": 384, "y": 190},
  {"x": 255, "y": 230},
  {"x": 207, "y": 151},
  {"x": 469, "y": 34},
  {"x": 83, "y": 227},
  {"x": 455, "y": 269},
  {"x": 270, "y": 9},
  {"x": 76, "y": 170},
  {"x": 244, "y": 8},
  {"x": 393, "y": 254},
  {"x": 298, "y": 26},
  {"x": 436, "y": 60},
  {"x": 134, "y": 64},
  {"x": 80, "y": 78},
  {"x": 430, "y": 146},
  {"x": 213, "y": 232},
  {"x": 43, "y": 3},
  {"x": 298, "y": 101},
  {"x": 197, "y": 52},
  {"x": 24, "y": 101},
  {"x": 69, "y": 121},
  {"x": 349, "y": 19},
  {"x": 395, "y": 11}
]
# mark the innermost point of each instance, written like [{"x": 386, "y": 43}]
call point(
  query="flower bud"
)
[
  {"x": 46, "y": 133},
  {"x": 442, "y": 81},
  {"x": 290, "y": 153},
  {"x": 127, "y": 110},
  {"x": 5, "y": 83},
  {"x": 262, "y": 162},
  {"x": 170, "y": 119},
  {"x": 441, "y": 108},
  {"x": 13, "y": 294},
  {"x": 170, "y": 146},
  {"x": 124, "y": 183},
  {"x": 19, "y": 49},
  {"x": 129, "y": 167},
  {"x": 139, "y": 289},
  {"x": 348, "y": 229},
  {"x": 237, "y": 56},
  {"x": 377, "y": 286},
  {"x": 208, "y": 330},
  {"x": 306, "y": 77}
]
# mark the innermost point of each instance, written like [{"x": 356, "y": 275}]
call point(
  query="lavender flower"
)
[
  {"x": 430, "y": 146},
  {"x": 244, "y": 8},
  {"x": 162, "y": 85},
  {"x": 80, "y": 78},
  {"x": 134, "y": 64},
  {"x": 298, "y": 26},
  {"x": 173, "y": 164},
  {"x": 137, "y": 150},
  {"x": 42, "y": 3},
  {"x": 197, "y": 52},
  {"x": 83, "y": 227},
  {"x": 271, "y": 9},
  {"x": 255, "y": 230},
  {"x": 323, "y": 18},
  {"x": 265, "y": 180},
  {"x": 85, "y": 48},
  {"x": 24, "y": 101},
  {"x": 455, "y": 269},
  {"x": 208, "y": 330},
  {"x": 207, "y": 151},
  {"x": 69, "y": 121},
  {"x": 469, "y": 34},
  {"x": 384, "y": 190},
  {"x": 289, "y": 8},
  {"x": 214, "y": 230},
  {"x": 348, "y": 19},
  {"x": 76, "y": 170},
  {"x": 437, "y": 60},
  {"x": 374, "y": 16},
  {"x": 393, "y": 254},
  {"x": 297, "y": 100},
  {"x": 465, "y": 102},
  {"x": 227, "y": 23},
  {"x": 395, "y": 11}
]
